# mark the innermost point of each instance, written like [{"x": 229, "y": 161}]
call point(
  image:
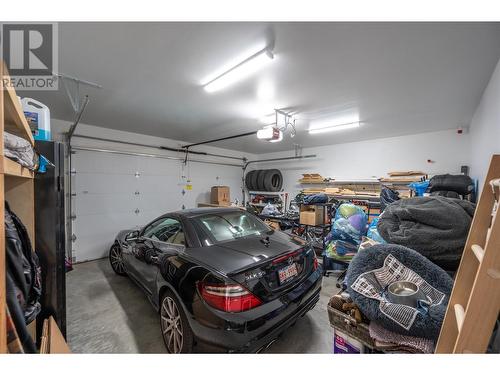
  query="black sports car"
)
[{"x": 219, "y": 276}]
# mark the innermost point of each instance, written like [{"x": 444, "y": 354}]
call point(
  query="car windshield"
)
[{"x": 231, "y": 225}]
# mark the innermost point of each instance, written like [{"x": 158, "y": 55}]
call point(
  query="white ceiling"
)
[{"x": 401, "y": 78}]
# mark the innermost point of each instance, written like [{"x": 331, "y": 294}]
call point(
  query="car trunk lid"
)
[{"x": 265, "y": 265}]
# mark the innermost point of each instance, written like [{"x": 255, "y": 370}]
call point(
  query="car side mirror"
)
[{"x": 132, "y": 236}]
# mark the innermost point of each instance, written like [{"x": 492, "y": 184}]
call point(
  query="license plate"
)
[{"x": 286, "y": 273}]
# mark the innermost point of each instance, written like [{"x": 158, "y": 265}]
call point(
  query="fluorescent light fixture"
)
[
  {"x": 280, "y": 138},
  {"x": 240, "y": 71},
  {"x": 270, "y": 134},
  {"x": 331, "y": 128}
]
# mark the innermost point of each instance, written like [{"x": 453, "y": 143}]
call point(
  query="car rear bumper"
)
[{"x": 253, "y": 330}]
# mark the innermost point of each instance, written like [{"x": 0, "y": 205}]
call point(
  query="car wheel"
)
[
  {"x": 175, "y": 329},
  {"x": 116, "y": 260}
]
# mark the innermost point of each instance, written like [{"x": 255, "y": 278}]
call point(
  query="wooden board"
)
[
  {"x": 44, "y": 339},
  {"x": 3, "y": 317},
  {"x": 406, "y": 173},
  {"x": 52, "y": 340},
  {"x": 57, "y": 344},
  {"x": 311, "y": 178},
  {"x": 475, "y": 288},
  {"x": 12, "y": 168},
  {"x": 401, "y": 179},
  {"x": 14, "y": 119},
  {"x": 16, "y": 186},
  {"x": 20, "y": 193},
  {"x": 3, "y": 321}
]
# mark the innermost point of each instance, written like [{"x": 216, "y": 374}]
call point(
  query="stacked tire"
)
[{"x": 264, "y": 180}]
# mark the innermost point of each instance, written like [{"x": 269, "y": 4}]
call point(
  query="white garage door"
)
[{"x": 116, "y": 191}]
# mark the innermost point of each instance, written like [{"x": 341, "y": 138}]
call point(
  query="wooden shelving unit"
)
[{"x": 16, "y": 185}]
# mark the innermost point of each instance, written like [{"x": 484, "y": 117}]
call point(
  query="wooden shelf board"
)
[
  {"x": 11, "y": 168},
  {"x": 14, "y": 119}
]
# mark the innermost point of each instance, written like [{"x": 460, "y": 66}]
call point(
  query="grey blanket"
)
[
  {"x": 422, "y": 324},
  {"x": 19, "y": 150},
  {"x": 436, "y": 227}
]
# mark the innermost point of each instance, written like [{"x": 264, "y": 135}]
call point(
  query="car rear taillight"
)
[{"x": 228, "y": 297}]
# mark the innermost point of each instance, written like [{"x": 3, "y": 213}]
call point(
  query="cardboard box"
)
[
  {"x": 312, "y": 215},
  {"x": 32, "y": 330},
  {"x": 220, "y": 195},
  {"x": 273, "y": 224},
  {"x": 346, "y": 344}
]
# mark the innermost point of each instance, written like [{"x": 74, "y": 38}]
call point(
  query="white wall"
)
[
  {"x": 485, "y": 128},
  {"x": 374, "y": 158}
]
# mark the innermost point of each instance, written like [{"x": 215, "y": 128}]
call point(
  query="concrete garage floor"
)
[{"x": 107, "y": 313}]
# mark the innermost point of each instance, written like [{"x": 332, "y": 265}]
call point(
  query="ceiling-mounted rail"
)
[
  {"x": 165, "y": 148},
  {"x": 157, "y": 156},
  {"x": 220, "y": 139},
  {"x": 278, "y": 159}
]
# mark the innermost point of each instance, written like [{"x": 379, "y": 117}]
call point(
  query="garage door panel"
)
[
  {"x": 98, "y": 162},
  {"x": 105, "y": 203},
  {"x": 161, "y": 202},
  {"x": 92, "y": 247},
  {"x": 156, "y": 166},
  {"x": 159, "y": 184},
  {"x": 106, "y": 226},
  {"x": 110, "y": 183},
  {"x": 95, "y": 233},
  {"x": 94, "y": 204}
]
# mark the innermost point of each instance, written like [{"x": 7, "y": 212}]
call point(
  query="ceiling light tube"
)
[
  {"x": 270, "y": 134},
  {"x": 280, "y": 138},
  {"x": 240, "y": 71},
  {"x": 325, "y": 129}
]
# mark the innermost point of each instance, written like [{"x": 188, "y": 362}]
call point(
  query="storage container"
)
[
  {"x": 38, "y": 116},
  {"x": 345, "y": 344},
  {"x": 220, "y": 195},
  {"x": 341, "y": 322},
  {"x": 312, "y": 215}
]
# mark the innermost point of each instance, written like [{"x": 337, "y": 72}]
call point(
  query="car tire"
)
[
  {"x": 116, "y": 259},
  {"x": 255, "y": 180},
  {"x": 249, "y": 180},
  {"x": 261, "y": 175},
  {"x": 273, "y": 180},
  {"x": 174, "y": 325}
]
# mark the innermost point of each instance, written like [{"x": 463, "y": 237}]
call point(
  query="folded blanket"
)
[
  {"x": 397, "y": 341},
  {"x": 436, "y": 227},
  {"x": 388, "y": 347},
  {"x": 446, "y": 193},
  {"x": 19, "y": 150},
  {"x": 459, "y": 183}
]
